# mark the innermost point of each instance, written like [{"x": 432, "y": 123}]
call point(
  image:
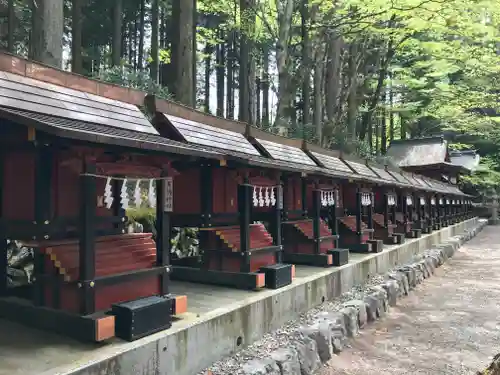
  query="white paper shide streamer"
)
[{"x": 108, "y": 194}]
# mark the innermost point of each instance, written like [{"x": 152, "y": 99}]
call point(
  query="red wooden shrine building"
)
[{"x": 262, "y": 204}]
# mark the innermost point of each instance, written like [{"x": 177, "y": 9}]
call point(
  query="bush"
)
[{"x": 145, "y": 216}]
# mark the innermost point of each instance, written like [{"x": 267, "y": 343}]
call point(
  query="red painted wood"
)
[{"x": 114, "y": 255}]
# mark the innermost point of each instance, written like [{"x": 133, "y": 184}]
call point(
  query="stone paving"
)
[{"x": 450, "y": 324}]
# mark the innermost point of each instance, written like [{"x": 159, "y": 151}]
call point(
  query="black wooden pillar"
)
[
  {"x": 87, "y": 234},
  {"x": 386, "y": 209},
  {"x": 303, "y": 198},
  {"x": 420, "y": 209},
  {"x": 3, "y": 237},
  {"x": 44, "y": 158},
  {"x": 370, "y": 210},
  {"x": 164, "y": 206},
  {"x": 245, "y": 209},
  {"x": 276, "y": 224},
  {"x": 359, "y": 212},
  {"x": 316, "y": 197},
  {"x": 285, "y": 188},
  {"x": 206, "y": 199},
  {"x": 332, "y": 217}
]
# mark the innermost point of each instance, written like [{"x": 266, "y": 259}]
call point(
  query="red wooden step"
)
[
  {"x": 259, "y": 237},
  {"x": 113, "y": 255}
]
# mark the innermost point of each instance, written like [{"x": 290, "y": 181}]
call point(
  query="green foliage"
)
[
  {"x": 139, "y": 80},
  {"x": 145, "y": 216}
]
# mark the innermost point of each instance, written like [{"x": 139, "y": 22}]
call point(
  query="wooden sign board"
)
[{"x": 168, "y": 205}]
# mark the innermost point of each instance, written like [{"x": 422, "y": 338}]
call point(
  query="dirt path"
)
[{"x": 450, "y": 324}]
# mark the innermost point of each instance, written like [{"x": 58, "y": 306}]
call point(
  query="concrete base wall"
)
[{"x": 188, "y": 350}]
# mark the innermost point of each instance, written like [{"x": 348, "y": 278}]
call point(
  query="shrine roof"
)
[
  {"x": 468, "y": 159},
  {"x": 91, "y": 132},
  {"x": 331, "y": 162},
  {"x": 201, "y": 134},
  {"x": 286, "y": 153},
  {"x": 44, "y": 98},
  {"x": 361, "y": 168},
  {"x": 418, "y": 152},
  {"x": 384, "y": 175}
]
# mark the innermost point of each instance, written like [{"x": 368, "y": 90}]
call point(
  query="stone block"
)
[
  {"x": 261, "y": 367},
  {"x": 308, "y": 355},
  {"x": 287, "y": 361},
  {"x": 360, "y": 307}
]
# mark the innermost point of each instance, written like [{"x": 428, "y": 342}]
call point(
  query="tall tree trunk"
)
[
  {"x": 76, "y": 37},
  {"x": 352, "y": 103},
  {"x": 221, "y": 53},
  {"x": 383, "y": 137},
  {"x": 163, "y": 24},
  {"x": 182, "y": 51},
  {"x": 318, "y": 95},
  {"x": 286, "y": 93},
  {"x": 265, "y": 85},
  {"x": 117, "y": 32},
  {"x": 247, "y": 64},
  {"x": 391, "y": 111},
  {"x": 136, "y": 25},
  {"x": 130, "y": 43},
  {"x": 258, "y": 104},
  {"x": 47, "y": 32},
  {"x": 230, "y": 75},
  {"x": 155, "y": 50},
  {"x": 10, "y": 26},
  {"x": 142, "y": 22},
  {"x": 402, "y": 121},
  {"x": 332, "y": 81},
  {"x": 208, "y": 70},
  {"x": 306, "y": 63}
]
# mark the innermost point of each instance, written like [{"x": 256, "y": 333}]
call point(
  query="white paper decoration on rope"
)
[
  {"x": 261, "y": 198},
  {"x": 441, "y": 202},
  {"x": 273, "y": 198},
  {"x": 433, "y": 201},
  {"x": 108, "y": 194},
  {"x": 422, "y": 201},
  {"x": 409, "y": 200},
  {"x": 327, "y": 198},
  {"x": 264, "y": 196},
  {"x": 391, "y": 200},
  {"x": 447, "y": 201},
  {"x": 366, "y": 199},
  {"x": 152, "y": 194},
  {"x": 267, "y": 197},
  {"x": 137, "y": 194},
  {"x": 124, "y": 195}
]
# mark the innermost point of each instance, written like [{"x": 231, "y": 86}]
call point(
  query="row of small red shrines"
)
[{"x": 259, "y": 211}]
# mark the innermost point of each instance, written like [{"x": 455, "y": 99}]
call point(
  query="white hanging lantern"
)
[
  {"x": 151, "y": 194},
  {"x": 267, "y": 200},
  {"x": 108, "y": 194},
  {"x": 261, "y": 197},
  {"x": 124, "y": 195},
  {"x": 273, "y": 197},
  {"x": 137, "y": 194}
]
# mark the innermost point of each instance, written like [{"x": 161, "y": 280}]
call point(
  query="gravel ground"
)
[
  {"x": 449, "y": 325},
  {"x": 281, "y": 338}
]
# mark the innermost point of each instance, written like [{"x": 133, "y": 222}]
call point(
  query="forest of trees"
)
[{"x": 351, "y": 74}]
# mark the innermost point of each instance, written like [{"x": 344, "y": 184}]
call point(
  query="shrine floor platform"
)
[{"x": 218, "y": 321}]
